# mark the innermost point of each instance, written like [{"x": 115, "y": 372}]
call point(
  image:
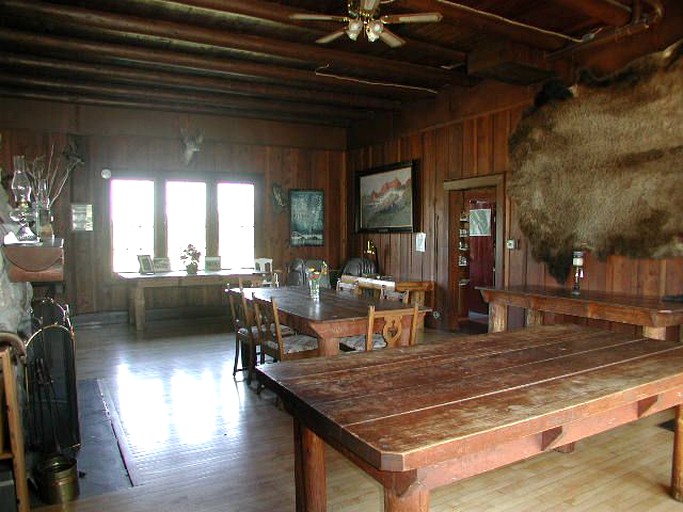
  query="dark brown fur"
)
[{"x": 603, "y": 170}]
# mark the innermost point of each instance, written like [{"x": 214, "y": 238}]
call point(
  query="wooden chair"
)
[
  {"x": 394, "y": 296},
  {"x": 385, "y": 329},
  {"x": 273, "y": 343},
  {"x": 265, "y": 265},
  {"x": 246, "y": 333},
  {"x": 351, "y": 288}
]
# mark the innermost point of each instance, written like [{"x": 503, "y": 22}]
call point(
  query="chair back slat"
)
[
  {"x": 269, "y": 329},
  {"x": 351, "y": 288},
  {"x": 390, "y": 324},
  {"x": 386, "y": 294}
]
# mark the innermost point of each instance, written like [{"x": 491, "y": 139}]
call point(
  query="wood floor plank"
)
[{"x": 202, "y": 441}]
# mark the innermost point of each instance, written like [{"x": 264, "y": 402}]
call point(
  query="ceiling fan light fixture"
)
[
  {"x": 373, "y": 29},
  {"x": 354, "y": 28}
]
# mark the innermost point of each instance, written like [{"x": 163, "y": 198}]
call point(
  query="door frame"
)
[{"x": 496, "y": 181}]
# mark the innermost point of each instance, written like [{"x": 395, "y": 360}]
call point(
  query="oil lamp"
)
[
  {"x": 22, "y": 213},
  {"x": 577, "y": 263}
]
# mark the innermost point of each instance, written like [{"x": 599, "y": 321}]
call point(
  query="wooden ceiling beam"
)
[
  {"x": 167, "y": 107},
  {"x": 280, "y": 14},
  {"x": 266, "y": 13},
  {"x": 367, "y": 66},
  {"x": 212, "y": 84},
  {"x": 610, "y": 13},
  {"x": 155, "y": 58},
  {"x": 152, "y": 95},
  {"x": 456, "y": 13}
]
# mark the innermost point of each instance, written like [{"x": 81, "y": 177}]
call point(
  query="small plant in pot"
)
[{"x": 190, "y": 258}]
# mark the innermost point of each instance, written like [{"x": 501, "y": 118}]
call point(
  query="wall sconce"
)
[{"x": 577, "y": 262}]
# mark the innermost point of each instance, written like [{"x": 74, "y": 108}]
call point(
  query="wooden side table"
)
[{"x": 650, "y": 313}]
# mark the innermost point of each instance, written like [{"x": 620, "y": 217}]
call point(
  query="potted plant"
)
[{"x": 190, "y": 257}]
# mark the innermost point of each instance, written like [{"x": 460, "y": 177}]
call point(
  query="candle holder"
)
[{"x": 577, "y": 262}]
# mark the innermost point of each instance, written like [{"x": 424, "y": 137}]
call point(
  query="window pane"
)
[
  {"x": 236, "y": 224},
  {"x": 185, "y": 220},
  {"x": 132, "y": 222}
]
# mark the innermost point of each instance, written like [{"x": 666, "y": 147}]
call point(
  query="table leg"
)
[
  {"x": 498, "y": 317},
  {"x": 310, "y": 471},
  {"x": 131, "y": 306},
  {"x": 534, "y": 317},
  {"x": 415, "y": 499},
  {"x": 328, "y": 346},
  {"x": 657, "y": 333},
  {"x": 677, "y": 466},
  {"x": 16, "y": 437},
  {"x": 139, "y": 305}
]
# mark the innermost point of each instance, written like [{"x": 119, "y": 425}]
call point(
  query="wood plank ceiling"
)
[{"x": 249, "y": 58}]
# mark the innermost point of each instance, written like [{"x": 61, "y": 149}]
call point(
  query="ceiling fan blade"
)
[
  {"x": 391, "y": 39},
  {"x": 318, "y": 17},
  {"x": 369, "y": 6},
  {"x": 423, "y": 17},
  {"x": 331, "y": 37}
]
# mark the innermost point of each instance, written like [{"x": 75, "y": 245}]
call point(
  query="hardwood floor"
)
[{"x": 203, "y": 441}]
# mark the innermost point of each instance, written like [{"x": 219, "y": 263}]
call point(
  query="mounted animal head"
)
[
  {"x": 192, "y": 143},
  {"x": 602, "y": 169}
]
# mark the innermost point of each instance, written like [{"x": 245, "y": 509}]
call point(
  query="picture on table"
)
[
  {"x": 146, "y": 265},
  {"x": 162, "y": 264}
]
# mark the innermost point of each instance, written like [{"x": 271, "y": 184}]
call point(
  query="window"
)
[
  {"x": 132, "y": 222},
  {"x": 236, "y": 224},
  {"x": 216, "y": 217},
  {"x": 185, "y": 220}
]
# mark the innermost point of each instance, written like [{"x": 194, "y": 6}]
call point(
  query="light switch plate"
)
[{"x": 420, "y": 242}]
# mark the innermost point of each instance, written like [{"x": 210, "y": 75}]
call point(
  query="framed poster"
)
[
  {"x": 386, "y": 199},
  {"x": 307, "y": 217}
]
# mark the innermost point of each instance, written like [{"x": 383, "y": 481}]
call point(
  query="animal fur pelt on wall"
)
[{"x": 601, "y": 166}]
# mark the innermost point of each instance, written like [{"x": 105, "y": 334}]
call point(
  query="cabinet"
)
[
  {"x": 13, "y": 443},
  {"x": 463, "y": 263}
]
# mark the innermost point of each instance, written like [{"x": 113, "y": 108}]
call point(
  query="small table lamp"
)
[{"x": 577, "y": 262}]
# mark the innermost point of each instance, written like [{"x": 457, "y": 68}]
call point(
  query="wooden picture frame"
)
[
  {"x": 387, "y": 199},
  {"x": 212, "y": 263},
  {"x": 162, "y": 264},
  {"x": 146, "y": 265},
  {"x": 307, "y": 218}
]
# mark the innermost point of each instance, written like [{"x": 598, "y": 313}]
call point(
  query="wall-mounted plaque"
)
[{"x": 81, "y": 217}]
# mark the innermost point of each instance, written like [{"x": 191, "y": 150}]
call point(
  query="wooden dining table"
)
[
  {"x": 329, "y": 318},
  {"x": 653, "y": 314},
  {"x": 420, "y": 417}
]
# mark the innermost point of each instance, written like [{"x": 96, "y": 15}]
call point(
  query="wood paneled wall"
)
[
  {"x": 295, "y": 156},
  {"x": 476, "y": 145}
]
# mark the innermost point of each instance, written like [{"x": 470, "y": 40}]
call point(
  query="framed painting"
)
[
  {"x": 307, "y": 217},
  {"x": 146, "y": 265},
  {"x": 212, "y": 263},
  {"x": 162, "y": 264},
  {"x": 386, "y": 199}
]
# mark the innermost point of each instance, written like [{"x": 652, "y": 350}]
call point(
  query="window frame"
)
[{"x": 211, "y": 179}]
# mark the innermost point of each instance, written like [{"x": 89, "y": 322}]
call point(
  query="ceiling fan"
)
[{"x": 364, "y": 16}]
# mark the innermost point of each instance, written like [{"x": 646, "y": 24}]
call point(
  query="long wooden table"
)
[
  {"x": 653, "y": 314},
  {"x": 178, "y": 279},
  {"x": 333, "y": 316},
  {"x": 416, "y": 418}
]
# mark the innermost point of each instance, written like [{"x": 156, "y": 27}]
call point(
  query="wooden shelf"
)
[{"x": 10, "y": 406}]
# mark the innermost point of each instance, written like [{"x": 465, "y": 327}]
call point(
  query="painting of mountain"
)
[{"x": 386, "y": 199}]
